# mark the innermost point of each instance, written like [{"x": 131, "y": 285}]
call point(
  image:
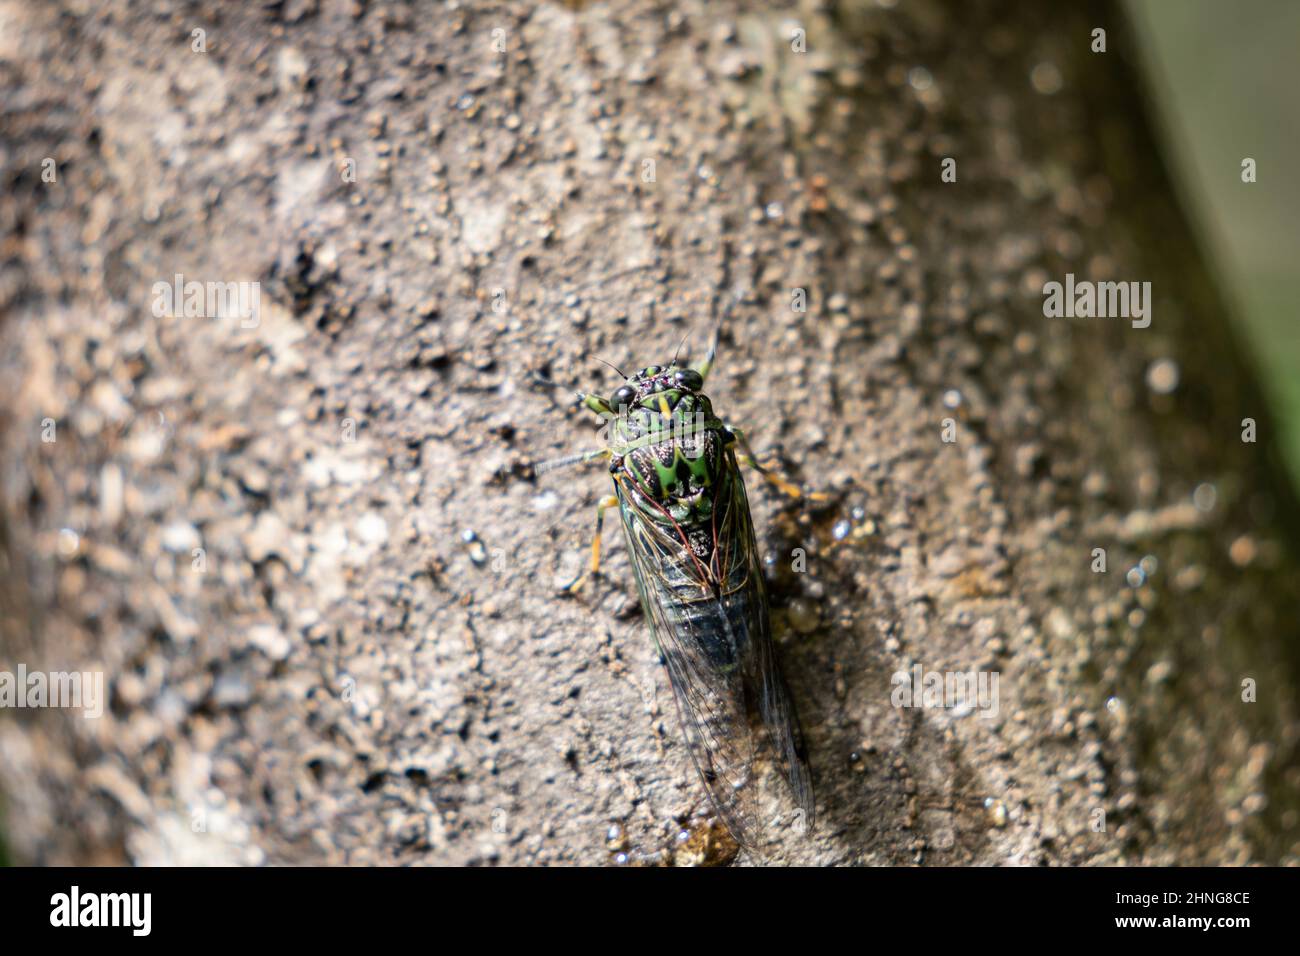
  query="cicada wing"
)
[
  {"x": 741, "y": 575},
  {"x": 690, "y": 630},
  {"x": 776, "y": 705}
]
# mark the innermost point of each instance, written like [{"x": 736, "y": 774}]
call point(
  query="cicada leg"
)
[
  {"x": 600, "y": 406},
  {"x": 777, "y": 481},
  {"x": 581, "y": 458},
  {"x": 597, "y": 404},
  {"x": 707, "y": 365},
  {"x": 604, "y": 504}
]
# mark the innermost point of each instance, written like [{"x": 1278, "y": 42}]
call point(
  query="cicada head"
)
[
  {"x": 646, "y": 388},
  {"x": 660, "y": 399}
]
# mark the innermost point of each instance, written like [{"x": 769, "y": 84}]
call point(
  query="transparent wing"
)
[
  {"x": 700, "y": 651},
  {"x": 740, "y": 571},
  {"x": 702, "y": 589}
]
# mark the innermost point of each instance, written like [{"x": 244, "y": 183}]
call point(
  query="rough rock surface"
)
[{"x": 366, "y": 662}]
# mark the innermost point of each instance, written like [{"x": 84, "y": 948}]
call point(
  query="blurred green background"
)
[{"x": 1224, "y": 78}]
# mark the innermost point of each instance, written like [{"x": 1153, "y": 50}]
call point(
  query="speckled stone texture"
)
[{"x": 340, "y": 676}]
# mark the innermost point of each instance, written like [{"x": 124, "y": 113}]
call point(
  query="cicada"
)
[{"x": 686, "y": 521}]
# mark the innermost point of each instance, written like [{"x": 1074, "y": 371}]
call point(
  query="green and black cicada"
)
[{"x": 686, "y": 520}]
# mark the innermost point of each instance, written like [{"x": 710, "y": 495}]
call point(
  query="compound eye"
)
[
  {"x": 689, "y": 378},
  {"x": 623, "y": 397}
]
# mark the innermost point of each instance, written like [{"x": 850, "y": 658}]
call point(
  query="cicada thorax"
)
[{"x": 675, "y": 460}]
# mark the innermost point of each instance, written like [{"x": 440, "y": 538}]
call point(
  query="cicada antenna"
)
[
  {"x": 611, "y": 365},
  {"x": 679, "y": 347}
]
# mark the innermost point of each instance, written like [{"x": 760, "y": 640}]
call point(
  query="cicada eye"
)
[
  {"x": 623, "y": 397},
  {"x": 689, "y": 378}
]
